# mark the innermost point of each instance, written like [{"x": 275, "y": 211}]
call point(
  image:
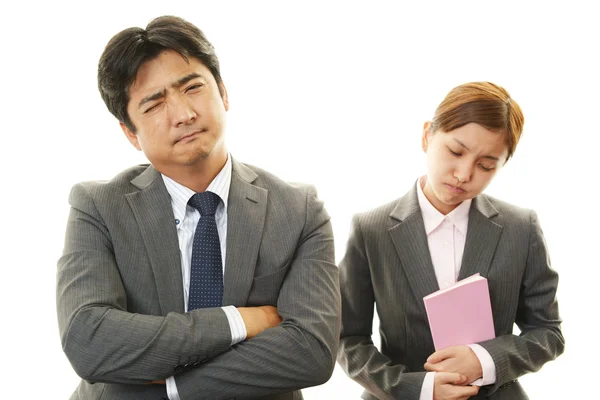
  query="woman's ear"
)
[{"x": 426, "y": 135}]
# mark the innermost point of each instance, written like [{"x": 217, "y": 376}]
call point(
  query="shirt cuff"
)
[
  {"x": 236, "y": 325},
  {"x": 487, "y": 366},
  {"x": 172, "y": 392},
  {"x": 427, "y": 387}
]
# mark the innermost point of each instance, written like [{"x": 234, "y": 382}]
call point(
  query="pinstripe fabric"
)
[
  {"x": 387, "y": 264},
  {"x": 120, "y": 300},
  {"x": 186, "y": 218},
  {"x": 446, "y": 235}
]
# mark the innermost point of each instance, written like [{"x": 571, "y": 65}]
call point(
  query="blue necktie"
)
[{"x": 206, "y": 277}]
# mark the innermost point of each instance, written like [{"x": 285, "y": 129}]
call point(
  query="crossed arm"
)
[{"x": 106, "y": 343}]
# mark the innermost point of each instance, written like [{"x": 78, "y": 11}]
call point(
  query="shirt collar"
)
[
  {"x": 432, "y": 218},
  {"x": 180, "y": 195}
]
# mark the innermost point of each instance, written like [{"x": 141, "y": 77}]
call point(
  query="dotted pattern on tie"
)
[{"x": 206, "y": 277}]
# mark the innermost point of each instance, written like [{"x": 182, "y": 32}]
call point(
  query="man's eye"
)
[
  {"x": 193, "y": 87},
  {"x": 151, "y": 108}
]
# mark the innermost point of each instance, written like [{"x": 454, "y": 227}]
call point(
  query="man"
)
[{"x": 194, "y": 277}]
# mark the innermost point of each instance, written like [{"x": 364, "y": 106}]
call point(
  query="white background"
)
[{"x": 329, "y": 93}]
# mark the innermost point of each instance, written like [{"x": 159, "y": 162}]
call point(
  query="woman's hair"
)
[{"x": 483, "y": 103}]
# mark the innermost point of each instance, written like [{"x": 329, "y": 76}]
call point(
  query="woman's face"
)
[{"x": 460, "y": 163}]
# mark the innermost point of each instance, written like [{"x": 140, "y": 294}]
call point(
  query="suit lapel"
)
[
  {"x": 482, "y": 238},
  {"x": 246, "y": 210},
  {"x": 154, "y": 215},
  {"x": 410, "y": 241}
]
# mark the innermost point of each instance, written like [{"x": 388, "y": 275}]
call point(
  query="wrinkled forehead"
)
[{"x": 167, "y": 70}]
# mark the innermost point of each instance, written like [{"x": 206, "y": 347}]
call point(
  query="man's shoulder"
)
[
  {"x": 285, "y": 199},
  {"x": 119, "y": 184},
  {"x": 275, "y": 184}
]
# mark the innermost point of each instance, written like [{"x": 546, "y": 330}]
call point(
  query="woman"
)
[{"x": 443, "y": 230}]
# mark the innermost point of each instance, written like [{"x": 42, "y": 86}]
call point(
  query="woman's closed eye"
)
[{"x": 456, "y": 154}]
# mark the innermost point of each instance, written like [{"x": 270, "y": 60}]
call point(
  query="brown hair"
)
[{"x": 483, "y": 103}]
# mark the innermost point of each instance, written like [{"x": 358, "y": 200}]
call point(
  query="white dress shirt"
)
[
  {"x": 446, "y": 236},
  {"x": 186, "y": 219}
]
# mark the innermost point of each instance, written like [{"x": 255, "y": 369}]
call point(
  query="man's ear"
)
[
  {"x": 131, "y": 136},
  {"x": 224, "y": 96}
]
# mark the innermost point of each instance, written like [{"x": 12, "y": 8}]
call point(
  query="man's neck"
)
[{"x": 197, "y": 177}]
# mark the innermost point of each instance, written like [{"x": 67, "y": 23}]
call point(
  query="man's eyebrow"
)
[
  {"x": 177, "y": 84},
  {"x": 152, "y": 97},
  {"x": 182, "y": 81},
  {"x": 465, "y": 146}
]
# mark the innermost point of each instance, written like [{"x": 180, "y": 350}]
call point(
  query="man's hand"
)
[
  {"x": 449, "y": 386},
  {"x": 258, "y": 319},
  {"x": 459, "y": 359}
]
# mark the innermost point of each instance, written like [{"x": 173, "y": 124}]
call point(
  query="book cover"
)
[{"x": 460, "y": 314}]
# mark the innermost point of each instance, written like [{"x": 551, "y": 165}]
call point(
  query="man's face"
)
[{"x": 178, "y": 112}]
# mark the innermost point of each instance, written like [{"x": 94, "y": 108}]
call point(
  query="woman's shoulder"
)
[
  {"x": 389, "y": 214},
  {"x": 503, "y": 210}
]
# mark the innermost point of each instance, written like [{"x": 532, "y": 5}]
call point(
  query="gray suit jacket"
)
[
  {"x": 388, "y": 263},
  {"x": 120, "y": 296}
]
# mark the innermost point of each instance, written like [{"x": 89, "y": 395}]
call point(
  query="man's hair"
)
[{"x": 129, "y": 49}]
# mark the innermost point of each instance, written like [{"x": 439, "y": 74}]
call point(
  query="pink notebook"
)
[{"x": 461, "y": 313}]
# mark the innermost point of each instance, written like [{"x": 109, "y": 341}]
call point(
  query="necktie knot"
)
[{"x": 205, "y": 202}]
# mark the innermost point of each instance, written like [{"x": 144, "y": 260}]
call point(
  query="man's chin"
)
[
  {"x": 200, "y": 156},
  {"x": 195, "y": 159}
]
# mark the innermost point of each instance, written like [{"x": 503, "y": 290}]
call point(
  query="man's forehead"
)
[{"x": 166, "y": 70}]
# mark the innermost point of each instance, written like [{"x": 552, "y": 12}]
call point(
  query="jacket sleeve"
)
[
  {"x": 358, "y": 356},
  {"x": 298, "y": 353},
  {"x": 537, "y": 317},
  {"x": 102, "y": 340}
]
